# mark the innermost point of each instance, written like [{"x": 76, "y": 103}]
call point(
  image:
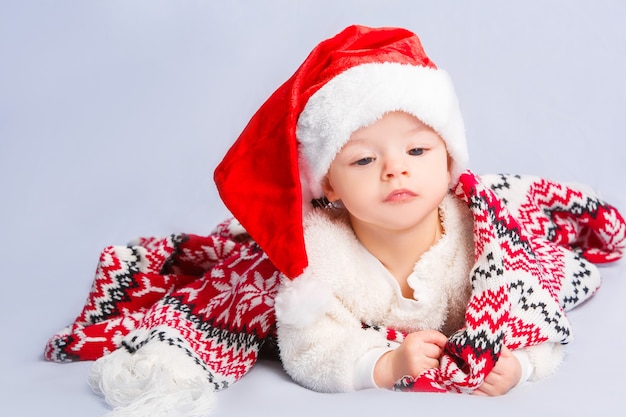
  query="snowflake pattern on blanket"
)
[{"x": 212, "y": 297}]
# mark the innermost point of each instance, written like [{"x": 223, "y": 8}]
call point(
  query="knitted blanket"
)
[{"x": 176, "y": 318}]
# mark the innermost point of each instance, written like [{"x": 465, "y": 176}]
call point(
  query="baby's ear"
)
[{"x": 327, "y": 188}]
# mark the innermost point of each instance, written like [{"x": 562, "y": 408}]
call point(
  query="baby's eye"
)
[
  {"x": 364, "y": 161},
  {"x": 416, "y": 151}
]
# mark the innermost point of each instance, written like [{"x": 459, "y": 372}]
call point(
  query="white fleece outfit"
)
[{"x": 323, "y": 345}]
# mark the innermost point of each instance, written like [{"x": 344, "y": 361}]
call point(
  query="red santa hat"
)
[{"x": 275, "y": 168}]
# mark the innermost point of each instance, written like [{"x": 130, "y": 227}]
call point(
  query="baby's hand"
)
[
  {"x": 504, "y": 376},
  {"x": 418, "y": 352}
]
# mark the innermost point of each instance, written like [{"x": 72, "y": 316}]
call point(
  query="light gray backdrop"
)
[{"x": 113, "y": 115}]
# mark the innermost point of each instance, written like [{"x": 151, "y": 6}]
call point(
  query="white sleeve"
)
[
  {"x": 527, "y": 366},
  {"x": 322, "y": 345},
  {"x": 364, "y": 369}
]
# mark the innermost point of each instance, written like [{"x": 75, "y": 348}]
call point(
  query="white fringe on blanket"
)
[{"x": 158, "y": 380}]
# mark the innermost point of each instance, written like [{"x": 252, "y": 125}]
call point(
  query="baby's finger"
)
[{"x": 435, "y": 337}]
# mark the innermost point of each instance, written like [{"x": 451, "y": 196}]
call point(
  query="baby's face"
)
[{"x": 392, "y": 173}]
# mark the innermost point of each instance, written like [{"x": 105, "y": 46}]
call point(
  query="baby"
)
[{"x": 379, "y": 230}]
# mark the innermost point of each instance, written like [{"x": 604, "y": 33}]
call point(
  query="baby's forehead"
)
[
  {"x": 396, "y": 119},
  {"x": 389, "y": 133}
]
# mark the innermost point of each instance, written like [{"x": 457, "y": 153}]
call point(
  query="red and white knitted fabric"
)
[
  {"x": 210, "y": 298},
  {"x": 534, "y": 240}
]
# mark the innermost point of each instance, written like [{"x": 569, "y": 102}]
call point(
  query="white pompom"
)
[
  {"x": 302, "y": 301},
  {"x": 157, "y": 380}
]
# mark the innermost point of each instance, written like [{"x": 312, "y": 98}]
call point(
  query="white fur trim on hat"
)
[{"x": 360, "y": 96}]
